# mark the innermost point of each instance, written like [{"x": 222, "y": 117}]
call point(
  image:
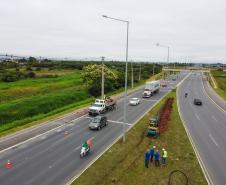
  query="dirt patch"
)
[{"x": 164, "y": 115}]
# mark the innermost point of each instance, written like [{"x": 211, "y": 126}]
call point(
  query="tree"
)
[{"x": 91, "y": 75}]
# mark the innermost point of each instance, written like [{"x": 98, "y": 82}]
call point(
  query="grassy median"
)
[{"x": 123, "y": 163}]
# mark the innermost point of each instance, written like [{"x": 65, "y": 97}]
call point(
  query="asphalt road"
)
[
  {"x": 53, "y": 158},
  {"x": 207, "y": 127}
]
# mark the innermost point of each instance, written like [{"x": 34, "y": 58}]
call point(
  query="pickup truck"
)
[{"x": 101, "y": 106}]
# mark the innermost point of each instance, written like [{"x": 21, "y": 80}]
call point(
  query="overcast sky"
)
[{"x": 194, "y": 29}]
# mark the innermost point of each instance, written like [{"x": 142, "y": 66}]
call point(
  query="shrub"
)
[{"x": 31, "y": 74}]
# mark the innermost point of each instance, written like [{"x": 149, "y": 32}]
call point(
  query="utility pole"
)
[
  {"x": 153, "y": 69},
  {"x": 102, "y": 84},
  {"x": 132, "y": 74},
  {"x": 140, "y": 72}
]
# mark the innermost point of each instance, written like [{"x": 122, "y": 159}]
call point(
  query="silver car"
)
[{"x": 134, "y": 101}]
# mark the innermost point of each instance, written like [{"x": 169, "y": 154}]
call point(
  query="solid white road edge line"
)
[
  {"x": 222, "y": 110},
  {"x": 206, "y": 174},
  {"x": 94, "y": 160},
  {"x": 18, "y": 144}
]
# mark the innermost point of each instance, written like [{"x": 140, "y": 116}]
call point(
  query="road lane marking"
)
[
  {"x": 78, "y": 147},
  {"x": 120, "y": 136},
  {"x": 197, "y": 116},
  {"x": 204, "y": 90},
  {"x": 37, "y": 136},
  {"x": 204, "y": 169},
  {"x": 149, "y": 100},
  {"x": 119, "y": 122},
  {"x": 214, "y": 141},
  {"x": 214, "y": 118}
]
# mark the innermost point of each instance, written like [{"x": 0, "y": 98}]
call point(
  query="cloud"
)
[{"x": 75, "y": 29}]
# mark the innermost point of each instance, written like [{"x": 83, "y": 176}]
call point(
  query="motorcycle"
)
[
  {"x": 84, "y": 152},
  {"x": 186, "y": 94}
]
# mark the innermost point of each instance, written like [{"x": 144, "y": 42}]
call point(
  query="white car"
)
[{"x": 134, "y": 101}]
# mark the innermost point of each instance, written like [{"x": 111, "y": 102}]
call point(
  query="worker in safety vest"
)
[{"x": 164, "y": 156}]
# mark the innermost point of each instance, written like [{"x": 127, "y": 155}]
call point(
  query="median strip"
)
[{"x": 123, "y": 163}]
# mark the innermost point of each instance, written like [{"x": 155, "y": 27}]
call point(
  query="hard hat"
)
[
  {"x": 163, "y": 149},
  {"x": 154, "y": 147}
]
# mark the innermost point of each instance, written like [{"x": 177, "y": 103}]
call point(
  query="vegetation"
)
[
  {"x": 220, "y": 78},
  {"x": 123, "y": 163},
  {"x": 32, "y": 90}
]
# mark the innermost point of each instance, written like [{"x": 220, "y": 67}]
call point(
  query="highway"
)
[
  {"x": 206, "y": 125},
  {"x": 53, "y": 158}
]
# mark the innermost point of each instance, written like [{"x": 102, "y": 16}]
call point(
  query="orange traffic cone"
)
[
  {"x": 8, "y": 165},
  {"x": 65, "y": 133}
]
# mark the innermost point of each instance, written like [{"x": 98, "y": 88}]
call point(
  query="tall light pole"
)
[
  {"x": 125, "y": 94},
  {"x": 163, "y": 46},
  {"x": 102, "y": 84},
  {"x": 140, "y": 72},
  {"x": 132, "y": 74}
]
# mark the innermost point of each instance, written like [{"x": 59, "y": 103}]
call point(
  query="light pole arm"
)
[{"x": 115, "y": 19}]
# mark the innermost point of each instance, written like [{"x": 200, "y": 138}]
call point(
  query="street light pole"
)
[
  {"x": 126, "y": 70},
  {"x": 102, "y": 84},
  {"x": 168, "y": 52},
  {"x": 132, "y": 74},
  {"x": 140, "y": 72}
]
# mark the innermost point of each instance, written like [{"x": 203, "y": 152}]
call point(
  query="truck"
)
[
  {"x": 151, "y": 87},
  {"x": 101, "y": 106},
  {"x": 163, "y": 83}
]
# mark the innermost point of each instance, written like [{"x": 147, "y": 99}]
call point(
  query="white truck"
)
[
  {"x": 101, "y": 106},
  {"x": 151, "y": 88}
]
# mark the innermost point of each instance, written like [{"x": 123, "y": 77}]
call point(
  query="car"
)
[
  {"x": 98, "y": 122},
  {"x": 134, "y": 101},
  {"x": 197, "y": 101}
]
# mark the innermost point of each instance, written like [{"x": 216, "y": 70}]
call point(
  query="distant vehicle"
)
[
  {"x": 163, "y": 83},
  {"x": 174, "y": 79},
  {"x": 134, "y": 101},
  {"x": 101, "y": 106},
  {"x": 98, "y": 122},
  {"x": 151, "y": 88},
  {"x": 197, "y": 101},
  {"x": 185, "y": 95}
]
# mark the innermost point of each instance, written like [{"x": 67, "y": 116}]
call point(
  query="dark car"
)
[
  {"x": 197, "y": 101},
  {"x": 98, "y": 122}
]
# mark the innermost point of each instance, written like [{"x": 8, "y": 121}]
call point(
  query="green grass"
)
[
  {"x": 123, "y": 163},
  {"x": 28, "y": 100},
  {"x": 220, "y": 78}
]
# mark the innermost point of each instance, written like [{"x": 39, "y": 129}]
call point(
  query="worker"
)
[
  {"x": 147, "y": 158},
  {"x": 164, "y": 156},
  {"x": 152, "y": 152},
  {"x": 156, "y": 155}
]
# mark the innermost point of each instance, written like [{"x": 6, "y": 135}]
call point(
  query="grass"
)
[
  {"x": 28, "y": 100},
  {"x": 220, "y": 78},
  {"x": 123, "y": 163}
]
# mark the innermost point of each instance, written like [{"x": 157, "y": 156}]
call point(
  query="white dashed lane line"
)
[
  {"x": 214, "y": 141},
  {"x": 197, "y": 116},
  {"x": 213, "y": 117}
]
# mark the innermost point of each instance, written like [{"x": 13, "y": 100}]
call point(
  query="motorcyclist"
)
[
  {"x": 85, "y": 145},
  {"x": 186, "y": 94}
]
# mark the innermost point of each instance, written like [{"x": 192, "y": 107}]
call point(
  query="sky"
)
[{"x": 195, "y": 30}]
